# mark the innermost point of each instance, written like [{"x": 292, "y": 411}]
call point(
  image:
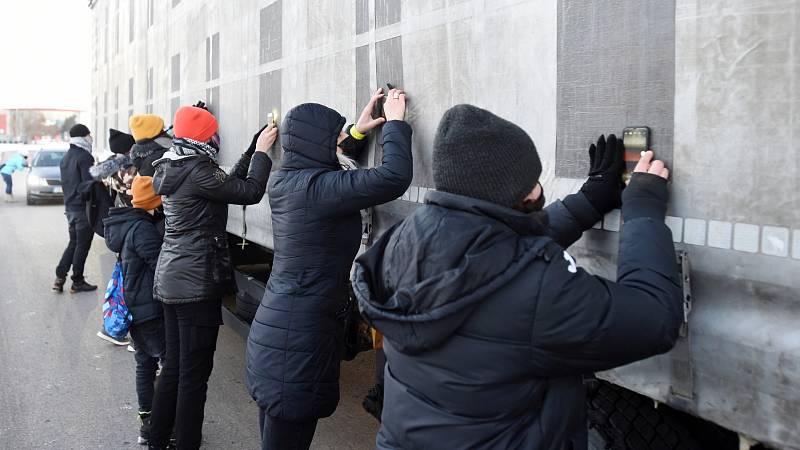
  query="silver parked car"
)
[{"x": 44, "y": 176}]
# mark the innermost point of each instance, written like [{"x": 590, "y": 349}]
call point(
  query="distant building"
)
[{"x": 36, "y": 125}]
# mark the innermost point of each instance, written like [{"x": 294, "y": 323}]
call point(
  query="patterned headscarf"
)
[{"x": 189, "y": 147}]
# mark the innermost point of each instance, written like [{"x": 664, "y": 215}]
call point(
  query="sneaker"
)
[
  {"x": 81, "y": 286},
  {"x": 144, "y": 427},
  {"x": 373, "y": 402},
  {"x": 131, "y": 349},
  {"x": 107, "y": 337},
  {"x": 58, "y": 285}
]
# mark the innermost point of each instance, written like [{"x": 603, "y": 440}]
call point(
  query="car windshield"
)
[{"x": 48, "y": 159}]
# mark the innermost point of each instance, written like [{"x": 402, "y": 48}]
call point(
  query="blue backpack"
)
[{"x": 116, "y": 316}]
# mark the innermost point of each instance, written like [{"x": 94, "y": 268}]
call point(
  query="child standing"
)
[{"x": 132, "y": 233}]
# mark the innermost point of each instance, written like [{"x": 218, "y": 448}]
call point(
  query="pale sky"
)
[{"x": 45, "y": 54}]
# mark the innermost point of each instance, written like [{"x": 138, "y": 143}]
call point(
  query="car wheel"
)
[{"x": 29, "y": 201}]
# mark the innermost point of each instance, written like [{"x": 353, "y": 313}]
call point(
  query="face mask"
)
[
  {"x": 529, "y": 207},
  {"x": 348, "y": 146},
  {"x": 214, "y": 142},
  {"x": 538, "y": 204}
]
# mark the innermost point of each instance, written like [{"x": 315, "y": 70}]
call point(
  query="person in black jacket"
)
[
  {"x": 151, "y": 142},
  {"x": 488, "y": 322},
  {"x": 131, "y": 232},
  {"x": 117, "y": 172},
  {"x": 194, "y": 263},
  {"x": 295, "y": 343},
  {"x": 74, "y": 171}
]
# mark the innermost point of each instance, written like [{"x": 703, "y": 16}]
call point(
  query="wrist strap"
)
[{"x": 356, "y": 135}]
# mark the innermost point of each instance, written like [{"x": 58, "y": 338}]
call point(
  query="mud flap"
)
[{"x": 682, "y": 371}]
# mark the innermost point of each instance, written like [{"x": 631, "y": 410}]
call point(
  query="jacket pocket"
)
[{"x": 220, "y": 263}]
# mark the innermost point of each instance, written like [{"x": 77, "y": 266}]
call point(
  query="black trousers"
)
[
  {"x": 279, "y": 434},
  {"x": 148, "y": 339},
  {"x": 80, "y": 241},
  {"x": 191, "y": 331}
]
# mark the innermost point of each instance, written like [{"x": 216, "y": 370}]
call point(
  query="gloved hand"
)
[
  {"x": 201, "y": 104},
  {"x": 252, "y": 148},
  {"x": 603, "y": 189}
]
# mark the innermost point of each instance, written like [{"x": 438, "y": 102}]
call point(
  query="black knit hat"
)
[
  {"x": 79, "y": 130},
  {"x": 119, "y": 142},
  {"x": 480, "y": 155}
]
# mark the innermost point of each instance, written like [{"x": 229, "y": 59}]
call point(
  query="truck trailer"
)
[{"x": 717, "y": 82}]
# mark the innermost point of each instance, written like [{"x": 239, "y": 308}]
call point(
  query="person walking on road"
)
[
  {"x": 488, "y": 322},
  {"x": 194, "y": 264},
  {"x": 14, "y": 164},
  {"x": 74, "y": 171},
  {"x": 131, "y": 232},
  {"x": 294, "y": 348}
]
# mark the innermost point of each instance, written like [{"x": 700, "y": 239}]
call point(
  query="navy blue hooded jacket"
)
[
  {"x": 295, "y": 342},
  {"x": 132, "y": 233},
  {"x": 489, "y": 324}
]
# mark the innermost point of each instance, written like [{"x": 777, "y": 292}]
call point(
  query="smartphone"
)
[
  {"x": 378, "y": 110},
  {"x": 636, "y": 141}
]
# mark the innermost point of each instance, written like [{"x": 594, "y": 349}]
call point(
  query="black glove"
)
[
  {"x": 603, "y": 189},
  {"x": 201, "y": 104},
  {"x": 252, "y": 149}
]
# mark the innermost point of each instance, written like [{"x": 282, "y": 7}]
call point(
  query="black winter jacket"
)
[
  {"x": 75, "y": 170},
  {"x": 295, "y": 341},
  {"x": 147, "y": 151},
  {"x": 194, "y": 264},
  {"x": 98, "y": 201},
  {"x": 489, "y": 324},
  {"x": 131, "y": 232}
]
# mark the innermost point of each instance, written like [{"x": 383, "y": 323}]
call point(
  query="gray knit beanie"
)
[{"x": 480, "y": 155}]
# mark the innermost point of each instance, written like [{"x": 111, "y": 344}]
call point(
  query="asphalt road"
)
[{"x": 61, "y": 387}]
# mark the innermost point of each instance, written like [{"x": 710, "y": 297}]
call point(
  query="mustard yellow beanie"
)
[{"x": 145, "y": 126}]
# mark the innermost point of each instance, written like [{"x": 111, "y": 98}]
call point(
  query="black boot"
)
[
  {"x": 144, "y": 427},
  {"x": 373, "y": 402},
  {"x": 58, "y": 285},
  {"x": 81, "y": 286}
]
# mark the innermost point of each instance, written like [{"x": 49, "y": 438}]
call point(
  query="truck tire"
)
[
  {"x": 250, "y": 289},
  {"x": 620, "y": 419},
  {"x": 246, "y": 306}
]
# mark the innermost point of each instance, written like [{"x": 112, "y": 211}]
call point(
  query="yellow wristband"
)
[{"x": 358, "y": 136}]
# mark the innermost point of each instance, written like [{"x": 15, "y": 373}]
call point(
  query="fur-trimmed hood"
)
[{"x": 110, "y": 166}]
